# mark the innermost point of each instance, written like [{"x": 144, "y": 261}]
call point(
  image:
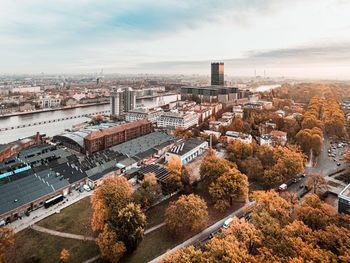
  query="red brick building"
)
[
  {"x": 7, "y": 150},
  {"x": 103, "y": 139}
]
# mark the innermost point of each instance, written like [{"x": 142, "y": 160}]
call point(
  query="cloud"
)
[{"x": 336, "y": 54}]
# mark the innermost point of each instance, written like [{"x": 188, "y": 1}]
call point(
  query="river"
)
[{"x": 55, "y": 128}]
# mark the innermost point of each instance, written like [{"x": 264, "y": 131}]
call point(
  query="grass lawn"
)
[
  {"x": 156, "y": 215},
  {"x": 159, "y": 241},
  {"x": 33, "y": 246},
  {"x": 74, "y": 219},
  {"x": 152, "y": 245}
]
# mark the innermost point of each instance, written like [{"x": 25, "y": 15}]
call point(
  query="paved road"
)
[{"x": 202, "y": 235}]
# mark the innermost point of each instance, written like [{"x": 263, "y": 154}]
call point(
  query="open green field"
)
[
  {"x": 33, "y": 246},
  {"x": 74, "y": 219}
]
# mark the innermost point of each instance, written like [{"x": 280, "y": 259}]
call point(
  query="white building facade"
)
[{"x": 172, "y": 120}]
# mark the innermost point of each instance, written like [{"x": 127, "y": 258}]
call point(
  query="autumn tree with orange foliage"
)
[
  {"x": 179, "y": 131},
  {"x": 111, "y": 248},
  {"x": 225, "y": 183},
  {"x": 179, "y": 174},
  {"x": 289, "y": 163},
  {"x": 188, "y": 213},
  {"x": 230, "y": 186},
  {"x": 310, "y": 140},
  {"x": 109, "y": 198},
  {"x": 64, "y": 255},
  {"x": 149, "y": 192},
  {"x": 213, "y": 167},
  {"x": 238, "y": 150},
  {"x": 120, "y": 220},
  {"x": 129, "y": 225},
  {"x": 317, "y": 183},
  {"x": 7, "y": 240},
  {"x": 278, "y": 231}
]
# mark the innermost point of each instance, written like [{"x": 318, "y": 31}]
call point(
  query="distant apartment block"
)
[
  {"x": 243, "y": 137},
  {"x": 26, "y": 88},
  {"x": 142, "y": 113},
  {"x": 122, "y": 100},
  {"x": 103, "y": 139},
  {"x": 172, "y": 120}
]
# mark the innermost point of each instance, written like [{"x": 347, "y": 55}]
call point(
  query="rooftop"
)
[
  {"x": 25, "y": 190},
  {"x": 186, "y": 146},
  {"x": 145, "y": 143},
  {"x": 116, "y": 129},
  {"x": 345, "y": 193}
]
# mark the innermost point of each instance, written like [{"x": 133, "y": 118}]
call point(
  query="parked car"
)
[
  {"x": 282, "y": 188},
  {"x": 303, "y": 175},
  {"x": 301, "y": 186},
  {"x": 338, "y": 164},
  {"x": 227, "y": 222},
  {"x": 294, "y": 180},
  {"x": 334, "y": 159}
]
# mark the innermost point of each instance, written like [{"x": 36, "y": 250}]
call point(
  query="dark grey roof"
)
[
  {"x": 144, "y": 143},
  {"x": 69, "y": 173},
  {"x": 4, "y": 147},
  {"x": 185, "y": 146},
  {"x": 28, "y": 189},
  {"x": 161, "y": 173}
]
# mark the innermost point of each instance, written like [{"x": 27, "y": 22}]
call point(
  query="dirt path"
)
[
  {"x": 154, "y": 228},
  {"x": 60, "y": 234}
]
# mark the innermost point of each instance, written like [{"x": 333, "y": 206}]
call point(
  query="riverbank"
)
[{"x": 19, "y": 113}]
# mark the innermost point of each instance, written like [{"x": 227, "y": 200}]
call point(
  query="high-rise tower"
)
[
  {"x": 217, "y": 73},
  {"x": 122, "y": 100}
]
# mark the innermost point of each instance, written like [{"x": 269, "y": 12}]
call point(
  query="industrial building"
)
[
  {"x": 148, "y": 146},
  {"x": 37, "y": 176},
  {"x": 187, "y": 150},
  {"x": 344, "y": 201},
  {"x": 103, "y": 139}
]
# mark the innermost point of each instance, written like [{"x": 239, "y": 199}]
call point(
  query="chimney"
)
[{"x": 37, "y": 138}]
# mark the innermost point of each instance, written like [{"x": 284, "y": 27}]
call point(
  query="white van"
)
[
  {"x": 227, "y": 222},
  {"x": 86, "y": 188}
]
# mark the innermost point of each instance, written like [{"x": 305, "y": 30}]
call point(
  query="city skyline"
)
[{"x": 305, "y": 39}]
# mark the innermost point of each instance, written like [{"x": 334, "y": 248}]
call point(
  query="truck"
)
[{"x": 282, "y": 188}]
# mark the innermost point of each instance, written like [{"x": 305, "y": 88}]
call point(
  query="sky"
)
[{"x": 291, "y": 38}]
